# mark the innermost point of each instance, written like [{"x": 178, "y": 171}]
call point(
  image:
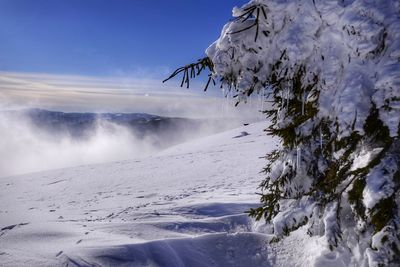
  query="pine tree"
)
[{"x": 332, "y": 72}]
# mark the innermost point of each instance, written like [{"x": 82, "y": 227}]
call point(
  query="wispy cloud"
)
[{"x": 112, "y": 94}]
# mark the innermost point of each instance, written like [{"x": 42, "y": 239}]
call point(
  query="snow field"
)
[{"x": 182, "y": 207}]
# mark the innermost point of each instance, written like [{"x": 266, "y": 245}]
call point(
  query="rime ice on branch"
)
[{"x": 334, "y": 70}]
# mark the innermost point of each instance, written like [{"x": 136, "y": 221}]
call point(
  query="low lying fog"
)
[{"x": 26, "y": 148}]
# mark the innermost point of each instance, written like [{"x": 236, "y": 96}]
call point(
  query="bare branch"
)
[{"x": 193, "y": 70}]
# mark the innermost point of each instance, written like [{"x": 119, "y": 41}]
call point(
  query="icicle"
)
[
  {"x": 259, "y": 104},
  {"x": 262, "y": 99},
  {"x": 320, "y": 137},
  {"x": 287, "y": 99},
  {"x": 226, "y": 102},
  {"x": 298, "y": 160},
  {"x": 223, "y": 103},
  {"x": 302, "y": 103}
]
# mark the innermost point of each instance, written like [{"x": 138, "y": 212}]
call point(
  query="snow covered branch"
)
[{"x": 332, "y": 71}]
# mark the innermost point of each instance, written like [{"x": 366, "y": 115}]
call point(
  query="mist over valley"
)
[{"x": 37, "y": 139}]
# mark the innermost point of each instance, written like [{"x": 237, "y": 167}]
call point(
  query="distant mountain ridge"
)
[{"x": 166, "y": 130}]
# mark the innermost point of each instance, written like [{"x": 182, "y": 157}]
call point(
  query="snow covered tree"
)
[{"x": 331, "y": 69}]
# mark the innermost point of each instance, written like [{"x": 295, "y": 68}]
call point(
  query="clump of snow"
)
[
  {"x": 292, "y": 216},
  {"x": 380, "y": 182},
  {"x": 339, "y": 41},
  {"x": 364, "y": 158}
]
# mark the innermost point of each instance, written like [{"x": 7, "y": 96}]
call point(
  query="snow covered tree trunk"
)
[{"x": 333, "y": 72}]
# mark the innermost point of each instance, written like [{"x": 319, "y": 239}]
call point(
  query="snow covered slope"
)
[{"x": 182, "y": 207}]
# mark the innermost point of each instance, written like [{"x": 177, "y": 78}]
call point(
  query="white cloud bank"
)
[{"x": 115, "y": 94}]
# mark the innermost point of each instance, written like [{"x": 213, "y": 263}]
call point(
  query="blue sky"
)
[
  {"x": 101, "y": 56},
  {"x": 107, "y": 38}
]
